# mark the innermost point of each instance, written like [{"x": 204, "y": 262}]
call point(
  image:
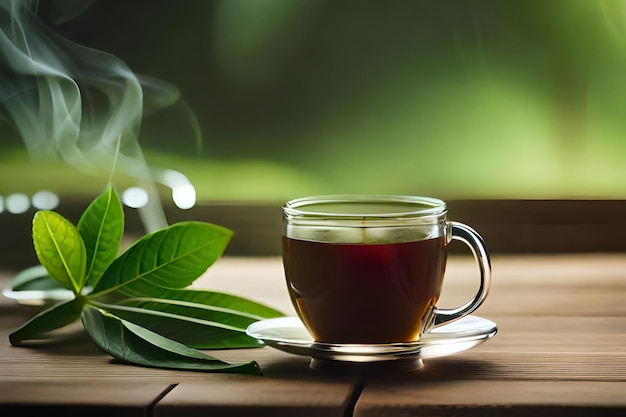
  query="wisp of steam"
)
[{"x": 79, "y": 104}]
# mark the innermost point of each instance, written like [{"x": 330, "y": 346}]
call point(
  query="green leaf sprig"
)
[{"x": 137, "y": 306}]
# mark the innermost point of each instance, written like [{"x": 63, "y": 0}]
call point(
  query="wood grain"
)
[
  {"x": 258, "y": 396},
  {"x": 486, "y": 398},
  {"x": 67, "y": 397}
]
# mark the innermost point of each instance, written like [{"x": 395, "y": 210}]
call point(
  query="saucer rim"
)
[{"x": 484, "y": 330}]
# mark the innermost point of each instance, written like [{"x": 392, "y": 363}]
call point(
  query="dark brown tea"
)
[{"x": 364, "y": 293}]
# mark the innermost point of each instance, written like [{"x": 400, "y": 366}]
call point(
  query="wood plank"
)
[
  {"x": 581, "y": 285},
  {"x": 258, "y": 396},
  {"x": 572, "y": 335},
  {"x": 589, "y": 285},
  {"x": 122, "y": 398},
  {"x": 261, "y": 279},
  {"x": 486, "y": 398},
  {"x": 528, "y": 366},
  {"x": 536, "y": 337}
]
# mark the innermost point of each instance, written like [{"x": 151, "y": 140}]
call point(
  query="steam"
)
[{"x": 79, "y": 104}]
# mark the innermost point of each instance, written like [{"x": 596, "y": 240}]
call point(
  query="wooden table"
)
[{"x": 560, "y": 350}]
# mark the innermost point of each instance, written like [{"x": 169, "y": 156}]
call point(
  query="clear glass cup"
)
[{"x": 365, "y": 272}]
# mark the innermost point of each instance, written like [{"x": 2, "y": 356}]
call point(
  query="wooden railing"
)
[{"x": 507, "y": 226}]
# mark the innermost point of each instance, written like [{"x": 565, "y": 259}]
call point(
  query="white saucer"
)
[
  {"x": 289, "y": 335},
  {"x": 38, "y": 297}
]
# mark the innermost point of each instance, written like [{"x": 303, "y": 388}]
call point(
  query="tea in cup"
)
[{"x": 367, "y": 271}]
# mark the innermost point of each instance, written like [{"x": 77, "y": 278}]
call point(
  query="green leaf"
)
[
  {"x": 193, "y": 325},
  {"x": 60, "y": 249},
  {"x": 214, "y": 299},
  {"x": 172, "y": 257},
  {"x": 53, "y": 318},
  {"x": 142, "y": 329},
  {"x": 140, "y": 346},
  {"x": 101, "y": 227}
]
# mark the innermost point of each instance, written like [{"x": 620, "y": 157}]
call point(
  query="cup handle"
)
[{"x": 459, "y": 231}]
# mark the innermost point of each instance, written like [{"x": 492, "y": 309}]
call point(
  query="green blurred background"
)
[{"x": 452, "y": 99}]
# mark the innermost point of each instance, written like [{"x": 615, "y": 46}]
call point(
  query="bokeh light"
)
[
  {"x": 17, "y": 203},
  {"x": 45, "y": 200}
]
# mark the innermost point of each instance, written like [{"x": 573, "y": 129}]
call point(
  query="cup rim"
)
[{"x": 428, "y": 206}]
